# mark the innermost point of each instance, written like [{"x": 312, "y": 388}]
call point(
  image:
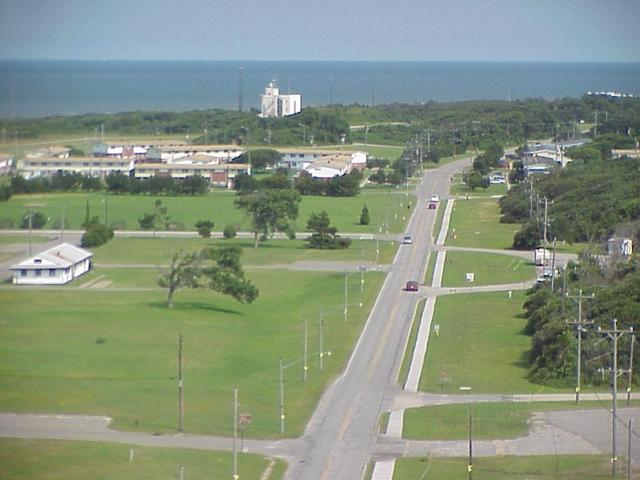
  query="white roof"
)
[{"x": 61, "y": 256}]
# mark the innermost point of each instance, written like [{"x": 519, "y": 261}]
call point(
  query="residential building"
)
[
  {"x": 220, "y": 175},
  {"x": 33, "y": 166},
  {"x": 55, "y": 266},
  {"x": 90, "y": 166}
]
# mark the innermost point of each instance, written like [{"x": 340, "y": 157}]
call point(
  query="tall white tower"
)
[{"x": 276, "y": 105}]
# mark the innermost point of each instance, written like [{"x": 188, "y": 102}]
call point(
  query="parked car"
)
[
  {"x": 412, "y": 286},
  {"x": 407, "y": 240}
]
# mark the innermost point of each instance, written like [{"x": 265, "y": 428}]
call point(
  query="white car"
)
[
  {"x": 407, "y": 240},
  {"x": 434, "y": 198}
]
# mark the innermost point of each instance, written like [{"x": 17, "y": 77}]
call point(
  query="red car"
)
[{"x": 412, "y": 286}]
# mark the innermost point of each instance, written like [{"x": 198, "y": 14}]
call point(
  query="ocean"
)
[{"x": 44, "y": 88}]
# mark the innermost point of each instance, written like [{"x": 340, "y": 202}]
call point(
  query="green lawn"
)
[
  {"x": 114, "y": 353},
  {"x": 67, "y": 460},
  {"x": 481, "y": 345},
  {"x": 157, "y": 251},
  {"x": 217, "y": 206},
  {"x": 476, "y": 223},
  {"x": 584, "y": 467},
  {"x": 489, "y": 269},
  {"x": 490, "y": 420},
  {"x": 431, "y": 263}
]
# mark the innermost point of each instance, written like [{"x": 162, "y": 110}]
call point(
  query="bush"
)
[
  {"x": 229, "y": 231},
  {"x": 6, "y": 223},
  {"x": 5, "y": 192},
  {"x": 365, "y": 218},
  {"x": 95, "y": 235},
  {"x": 204, "y": 228}
]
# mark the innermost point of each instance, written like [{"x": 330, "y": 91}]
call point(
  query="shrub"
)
[
  {"x": 5, "y": 192},
  {"x": 229, "y": 231},
  {"x": 95, "y": 235},
  {"x": 204, "y": 228}
]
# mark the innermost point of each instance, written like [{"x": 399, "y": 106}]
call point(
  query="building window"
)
[
  {"x": 52, "y": 272},
  {"x": 37, "y": 260},
  {"x": 38, "y": 273},
  {"x": 23, "y": 273}
]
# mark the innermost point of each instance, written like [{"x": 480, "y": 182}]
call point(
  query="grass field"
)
[
  {"x": 157, "y": 251},
  {"x": 476, "y": 223},
  {"x": 66, "y": 460},
  {"x": 114, "y": 352},
  {"x": 217, "y": 206},
  {"x": 431, "y": 263},
  {"x": 584, "y": 467},
  {"x": 481, "y": 345},
  {"x": 459, "y": 188},
  {"x": 489, "y": 269},
  {"x": 490, "y": 420}
]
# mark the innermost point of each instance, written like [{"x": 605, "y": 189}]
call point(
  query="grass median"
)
[{"x": 68, "y": 460}]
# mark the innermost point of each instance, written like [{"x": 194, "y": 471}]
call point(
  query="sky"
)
[{"x": 431, "y": 30}]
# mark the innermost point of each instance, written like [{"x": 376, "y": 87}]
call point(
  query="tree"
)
[
  {"x": 216, "y": 268},
  {"x": 324, "y": 237},
  {"x": 229, "y": 231},
  {"x": 204, "y": 228},
  {"x": 5, "y": 192},
  {"x": 270, "y": 211},
  {"x": 527, "y": 237},
  {"x": 475, "y": 180},
  {"x": 365, "y": 219},
  {"x": 156, "y": 220},
  {"x": 264, "y": 157}
]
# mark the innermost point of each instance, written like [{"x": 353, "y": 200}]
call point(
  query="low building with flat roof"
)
[{"x": 30, "y": 167}]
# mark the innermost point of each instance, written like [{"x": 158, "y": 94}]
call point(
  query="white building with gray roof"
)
[{"x": 56, "y": 266}]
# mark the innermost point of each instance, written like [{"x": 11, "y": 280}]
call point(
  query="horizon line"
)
[{"x": 303, "y": 60}]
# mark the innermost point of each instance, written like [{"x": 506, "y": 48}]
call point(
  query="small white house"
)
[{"x": 55, "y": 266}]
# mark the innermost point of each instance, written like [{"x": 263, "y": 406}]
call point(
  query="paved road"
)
[{"x": 341, "y": 436}]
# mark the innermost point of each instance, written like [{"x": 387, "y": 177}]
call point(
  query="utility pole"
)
[
  {"x": 629, "y": 449},
  {"x": 470, "y": 464},
  {"x": 553, "y": 267},
  {"x": 579, "y": 326},
  {"x": 615, "y": 334},
  {"x": 346, "y": 296},
  {"x": 321, "y": 339},
  {"x": 630, "y": 375},
  {"x": 30, "y": 227},
  {"x": 281, "y": 397},
  {"x": 235, "y": 434},
  {"x": 180, "y": 387},
  {"x": 62, "y": 224},
  {"x": 305, "y": 367}
]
